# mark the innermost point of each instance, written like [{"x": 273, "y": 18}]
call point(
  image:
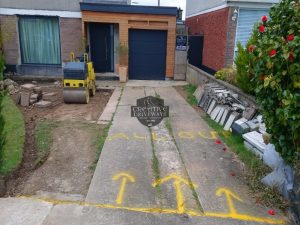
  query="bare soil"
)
[{"x": 68, "y": 166}]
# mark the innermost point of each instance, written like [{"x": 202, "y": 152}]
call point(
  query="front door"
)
[{"x": 101, "y": 46}]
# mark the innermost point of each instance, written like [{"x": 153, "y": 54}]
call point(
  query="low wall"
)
[{"x": 198, "y": 77}]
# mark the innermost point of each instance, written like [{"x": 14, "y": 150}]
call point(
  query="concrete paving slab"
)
[
  {"x": 15, "y": 211},
  {"x": 83, "y": 215},
  {"x": 207, "y": 164},
  {"x": 154, "y": 83},
  {"x": 124, "y": 156},
  {"x": 110, "y": 107}
]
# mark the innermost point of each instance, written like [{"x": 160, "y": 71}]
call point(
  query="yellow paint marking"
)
[
  {"x": 229, "y": 196},
  {"x": 136, "y": 136},
  {"x": 213, "y": 135},
  {"x": 158, "y": 210},
  {"x": 118, "y": 136},
  {"x": 177, "y": 185},
  {"x": 186, "y": 135},
  {"x": 125, "y": 178},
  {"x": 233, "y": 213},
  {"x": 155, "y": 138}
]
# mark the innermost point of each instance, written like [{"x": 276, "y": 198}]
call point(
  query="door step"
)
[{"x": 107, "y": 76}]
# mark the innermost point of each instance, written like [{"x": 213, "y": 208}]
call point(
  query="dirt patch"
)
[{"x": 69, "y": 141}]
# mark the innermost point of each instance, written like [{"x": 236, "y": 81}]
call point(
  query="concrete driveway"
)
[{"x": 173, "y": 173}]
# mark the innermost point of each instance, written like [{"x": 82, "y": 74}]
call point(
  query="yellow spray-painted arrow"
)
[
  {"x": 177, "y": 185},
  {"x": 229, "y": 196},
  {"x": 125, "y": 178}
]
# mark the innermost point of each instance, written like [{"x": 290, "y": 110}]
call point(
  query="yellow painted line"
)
[
  {"x": 125, "y": 178},
  {"x": 160, "y": 210},
  {"x": 177, "y": 186}
]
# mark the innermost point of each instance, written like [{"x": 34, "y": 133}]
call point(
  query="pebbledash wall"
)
[
  {"x": 219, "y": 32},
  {"x": 70, "y": 41}
]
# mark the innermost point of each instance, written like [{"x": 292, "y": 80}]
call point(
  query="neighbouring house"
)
[
  {"x": 39, "y": 36},
  {"x": 221, "y": 24}
]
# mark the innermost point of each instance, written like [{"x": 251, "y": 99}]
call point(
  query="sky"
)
[{"x": 176, "y": 3}]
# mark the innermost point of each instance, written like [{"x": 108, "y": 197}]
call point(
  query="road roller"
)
[{"x": 79, "y": 80}]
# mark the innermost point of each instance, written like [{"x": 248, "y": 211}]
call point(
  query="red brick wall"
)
[
  {"x": 10, "y": 39},
  {"x": 214, "y": 27},
  {"x": 70, "y": 37}
]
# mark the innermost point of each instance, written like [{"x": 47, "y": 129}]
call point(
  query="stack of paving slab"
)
[
  {"x": 32, "y": 94},
  {"x": 224, "y": 107}
]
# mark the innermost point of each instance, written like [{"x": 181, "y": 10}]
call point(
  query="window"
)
[{"x": 39, "y": 40}]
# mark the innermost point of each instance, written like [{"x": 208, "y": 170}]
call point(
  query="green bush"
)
[
  {"x": 226, "y": 74},
  {"x": 244, "y": 72},
  {"x": 2, "y": 66},
  {"x": 274, "y": 60},
  {"x": 2, "y": 136}
]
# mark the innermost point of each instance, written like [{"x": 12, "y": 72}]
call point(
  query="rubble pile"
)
[
  {"x": 9, "y": 85},
  {"x": 31, "y": 94}
]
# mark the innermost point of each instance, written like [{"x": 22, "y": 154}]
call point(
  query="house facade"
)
[
  {"x": 38, "y": 36},
  {"x": 223, "y": 24}
]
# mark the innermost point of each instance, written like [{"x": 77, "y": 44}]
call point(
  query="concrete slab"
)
[
  {"x": 43, "y": 104},
  {"x": 83, "y": 215},
  {"x": 153, "y": 83},
  {"x": 123, "y": 155},
  {"x": 110, "y": 107},
  {"x": 16, "y": 211},
  {"x": 28, "y": 86},
  {"x": 207, "y": 164}
]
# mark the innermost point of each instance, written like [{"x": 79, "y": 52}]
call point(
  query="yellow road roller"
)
[{"x": 79, "y": 80}]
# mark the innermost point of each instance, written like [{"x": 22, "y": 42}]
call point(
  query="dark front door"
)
[
  {"x": 147, "y": 54},
  {"x": 101, "y": 46}
]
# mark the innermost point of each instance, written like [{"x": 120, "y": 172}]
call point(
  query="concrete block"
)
[
  {"x": 28, "y": 86},
  {"x": 255, "y": 139},
  {"x": 43, "y": 104},
  {"x": 52, "y": 96},
  {"x": 25, "y": 97}
]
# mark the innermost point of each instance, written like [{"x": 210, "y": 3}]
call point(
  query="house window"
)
[{"x": 39, "y": 40}]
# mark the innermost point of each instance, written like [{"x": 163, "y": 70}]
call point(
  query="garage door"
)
[{"x": 147, "y": 54}]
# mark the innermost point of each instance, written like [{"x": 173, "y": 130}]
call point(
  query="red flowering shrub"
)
[
  {"x": 264, "y": 19},
  {"x": 274, "y": 65}
]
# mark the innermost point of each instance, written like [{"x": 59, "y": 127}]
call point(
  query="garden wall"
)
[{"x": 198, "y": 77}]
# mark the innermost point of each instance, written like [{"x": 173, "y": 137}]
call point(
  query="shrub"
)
[
  {"x": 274, "y": 59},
  {"x": 244, "y": 72},
  {"x": 2, "y": 66},
  {"x": 2, "y": 136},
  {"x": 226, "y": 74}
]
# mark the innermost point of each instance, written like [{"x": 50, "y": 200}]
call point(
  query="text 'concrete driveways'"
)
[{"x": 172, "y": 173}]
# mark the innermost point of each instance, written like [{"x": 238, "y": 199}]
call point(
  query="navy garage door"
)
[{"x": 147, "y": 54}]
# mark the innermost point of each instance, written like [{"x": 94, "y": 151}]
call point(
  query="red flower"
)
[
  {"x": 218, "y": 142},
  {"x": 262, "y": 77},
  {"x": 251, "y": 48},
  {"x": 290, "y": 37},
  {"x": 264, "y": 19},
  {"x": 272, "y": 53},
  {"x": 261, "y": 28},
  {"x": 271, "y": 212},
  {"x": 291, "y": 57}
]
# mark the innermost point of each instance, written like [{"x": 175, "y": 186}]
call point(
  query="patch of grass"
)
[
  {"x": 190, "y": 89},
  {"x": 157, "y": 96},
  {"x": 14, "y": 132},
  {"x": 101, "y": 140},
  {"x": 44, "y": 139},
  {"x": 255, "y": 168}
]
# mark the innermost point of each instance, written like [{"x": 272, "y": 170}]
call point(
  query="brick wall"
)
[
  {"x": 10, "y": 38},
  {"x": 214, "y": 27},
  {"x": 70, "y": 37}
]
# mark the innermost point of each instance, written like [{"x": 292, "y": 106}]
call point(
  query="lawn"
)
[{"x": 14, "y": 132}]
